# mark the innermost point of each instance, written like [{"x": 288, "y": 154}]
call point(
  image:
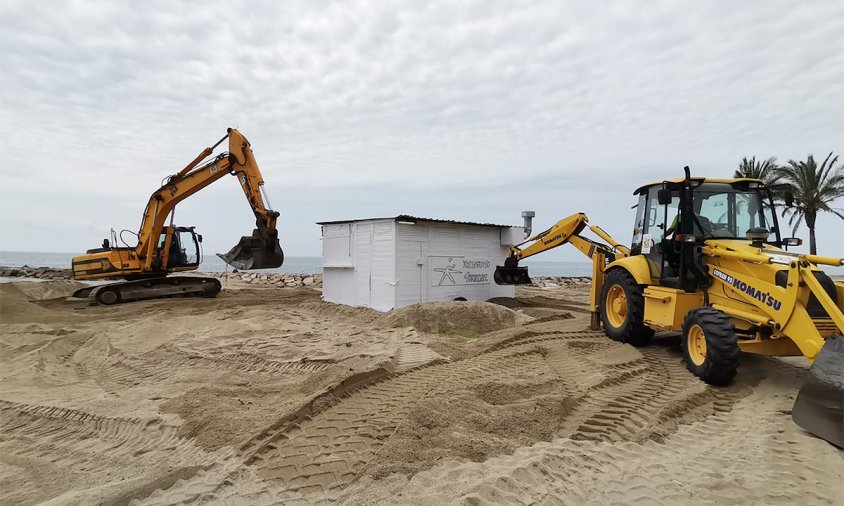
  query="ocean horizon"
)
[{"x": 292, "y": 264}]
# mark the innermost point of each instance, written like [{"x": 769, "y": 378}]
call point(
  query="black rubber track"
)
[
  {"x": 633, "y": 330},
  {"x": 722, "y": 351}
]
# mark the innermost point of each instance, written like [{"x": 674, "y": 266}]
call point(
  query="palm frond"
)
[{"x": 814, "y": 186}]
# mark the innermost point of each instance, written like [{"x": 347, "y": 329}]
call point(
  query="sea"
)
[{"x": 292, "y": 265}]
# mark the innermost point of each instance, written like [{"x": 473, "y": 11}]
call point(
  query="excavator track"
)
[{"x": 153, "y": 288}]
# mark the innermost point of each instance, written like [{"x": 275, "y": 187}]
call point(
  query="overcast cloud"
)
[{"x": 471, "y": 110}]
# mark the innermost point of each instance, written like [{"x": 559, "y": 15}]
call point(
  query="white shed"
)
[{"x": 387, "y": 263}]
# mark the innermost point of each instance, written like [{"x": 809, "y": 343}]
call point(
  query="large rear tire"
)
[
  {"x": 623, "y": 309},
  {"x": 710, "y": 346}
]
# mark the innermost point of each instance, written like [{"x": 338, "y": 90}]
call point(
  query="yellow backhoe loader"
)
[
  {"x": 164, "y": 248},
  {"x": 707, "y": 260}
]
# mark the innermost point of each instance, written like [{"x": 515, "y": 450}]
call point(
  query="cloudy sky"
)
[{"x": 470, "y": 110}]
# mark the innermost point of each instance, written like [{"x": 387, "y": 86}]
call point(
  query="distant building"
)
[{"x": 387, "y": 263}]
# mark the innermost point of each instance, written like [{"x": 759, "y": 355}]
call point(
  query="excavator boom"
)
[{"x": 261, "y": 250}]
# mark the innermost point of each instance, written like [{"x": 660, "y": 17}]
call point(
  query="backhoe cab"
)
[{"x": 707, "y": 260}]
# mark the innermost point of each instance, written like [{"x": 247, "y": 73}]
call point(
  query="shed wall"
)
[
  {"x": 359, "y": 263},
  {"x": 442, "y": 261}
]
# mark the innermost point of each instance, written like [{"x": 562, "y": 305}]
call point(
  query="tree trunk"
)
[
  {"x": 813, "y": 248},
  {"x": 810, "y": 224}
]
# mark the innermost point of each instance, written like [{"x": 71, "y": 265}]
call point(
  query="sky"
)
[{"x": 467, "y": 110}]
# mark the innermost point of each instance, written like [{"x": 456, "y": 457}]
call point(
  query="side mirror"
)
[
  {"x": 788, "y": 197},
  {"x": 199, "y": 237},
  {"x": 663, "y": 197},
  {"x": 792, "y": 241}
]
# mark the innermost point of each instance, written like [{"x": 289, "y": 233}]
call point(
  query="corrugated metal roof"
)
[{"x": 406, "y": 217}]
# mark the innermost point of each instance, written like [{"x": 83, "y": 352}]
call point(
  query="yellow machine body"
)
[
  {"x": 125, "y": 262},
  {"x": 731, "y": 293},
  {"x": 744, "y": 288}
]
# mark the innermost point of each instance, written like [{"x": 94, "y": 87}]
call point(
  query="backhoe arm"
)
[
  {"x": 238, "y": 161},
  {"x": 565, "y": 231}
]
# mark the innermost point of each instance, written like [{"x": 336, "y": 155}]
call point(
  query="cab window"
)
[
  {"x": 189, "y": 251},
  {"x": 639, "y": 224}
]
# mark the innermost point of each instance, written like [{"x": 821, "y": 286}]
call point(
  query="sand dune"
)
[{"x": 268, "y": 395}]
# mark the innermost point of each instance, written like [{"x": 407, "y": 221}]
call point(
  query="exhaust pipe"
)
[
  {"x": 510, "y": 273},
  {"x": 528, "y": 217}
]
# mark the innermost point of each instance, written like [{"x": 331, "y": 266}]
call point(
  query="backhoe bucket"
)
[
  {"x": 254, "y": 252},
  {"x": 511, "y": 276},
  {"x": 819, "y": 407}
]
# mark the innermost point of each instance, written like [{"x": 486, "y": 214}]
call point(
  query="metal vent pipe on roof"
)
[{"x": 528, "y": 216}]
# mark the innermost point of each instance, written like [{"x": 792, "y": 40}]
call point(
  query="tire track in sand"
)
[
  {"x": 740, "y": 453},
  {"x": 159, "y": 364},
  {"x": 330, "y": 451},
  {"x": 80, "y": 442},
  {"x": 634, "y": 397}
]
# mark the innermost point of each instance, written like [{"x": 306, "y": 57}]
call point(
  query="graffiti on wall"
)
[{"x": 458, "y": 270}]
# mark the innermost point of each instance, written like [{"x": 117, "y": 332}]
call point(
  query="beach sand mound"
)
[
  {"x": 16, "y": 306},
  {"x": 41, "y": 290},
  {"x": 460, "y": 317},
  {"x": 331, "y": 310}
]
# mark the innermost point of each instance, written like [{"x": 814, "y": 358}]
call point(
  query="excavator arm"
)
[
  {"x": 566, "y": 231},
  {"x": 260, "y": 250}
]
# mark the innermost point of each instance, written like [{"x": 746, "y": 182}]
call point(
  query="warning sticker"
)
[{"x": 647, "y": 244}]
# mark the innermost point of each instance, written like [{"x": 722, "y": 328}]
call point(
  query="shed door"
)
[{"x": 363, "y": 265}]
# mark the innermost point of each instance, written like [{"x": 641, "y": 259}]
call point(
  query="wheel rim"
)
[
  {"x": 696, "y": 344},
  {"x": 616, "y": 306}
]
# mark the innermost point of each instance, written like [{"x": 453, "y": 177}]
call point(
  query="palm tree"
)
[
  {"x": 766, "y": 170},
  {"x": 814, "y": 189}
]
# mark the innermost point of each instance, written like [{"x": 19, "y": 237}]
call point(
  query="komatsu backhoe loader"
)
[
  {"x": 164, "y": 248},
  {"x": 707, "y": 260}
]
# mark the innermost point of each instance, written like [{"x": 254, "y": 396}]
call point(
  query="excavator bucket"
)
[
  {"x": 819, "y": 407},
  {"x": 511, "y": 275},
  {"x": 255, "y": 252}
]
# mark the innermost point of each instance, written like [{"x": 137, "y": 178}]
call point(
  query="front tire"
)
[
  {"x": 623, "y": 309},
  {"x": 710, "y": 346}
]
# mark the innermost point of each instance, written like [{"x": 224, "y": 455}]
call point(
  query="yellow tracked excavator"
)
[
  {"x": 163, "y": 248},
  {"x": 707, "y": 260}
]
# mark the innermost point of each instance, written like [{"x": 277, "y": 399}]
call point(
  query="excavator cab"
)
[{"x": 180, "y": 247}]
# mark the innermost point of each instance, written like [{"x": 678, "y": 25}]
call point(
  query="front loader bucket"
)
[
  {"x": 511, "y": 276},
  {"x": 819, "y": 407},
  {"x": 254, "y": 252}
]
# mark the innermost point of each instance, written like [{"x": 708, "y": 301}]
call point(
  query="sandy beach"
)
[{"x": 269, "y": 395}]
